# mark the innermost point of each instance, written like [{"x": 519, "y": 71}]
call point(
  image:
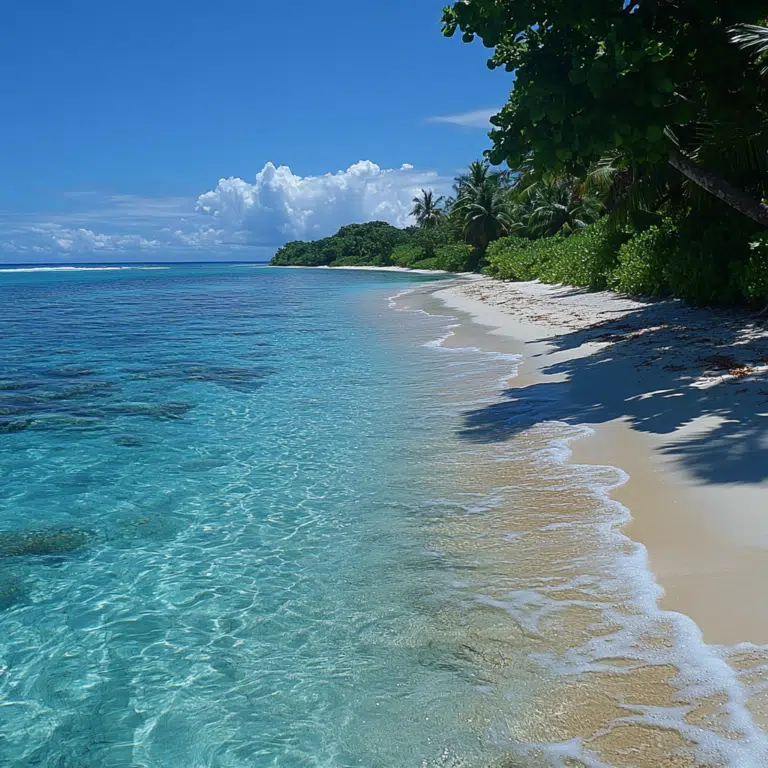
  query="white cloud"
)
[
  {"x": 479, "y": 118},
  {"x": 86, "y": 240},
  {"x": 200, "y": 238},
  {"x": 281, "y": 206},
  {"x": 236, "y": 216}
]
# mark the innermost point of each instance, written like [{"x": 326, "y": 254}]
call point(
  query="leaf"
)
[
  {"x": 577, "y": 76},
  {"x": 654, "y": 132}
]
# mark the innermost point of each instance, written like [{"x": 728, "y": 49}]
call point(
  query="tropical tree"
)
[
  {"x": 426, "y": 209},
  {"x": 634, "y": 196},
  {"x": 484, "y": 213},
  {"x": 644, "y": 79},
  {"x": 478, "y": 174},
  {"x": 560, "y": 206}
]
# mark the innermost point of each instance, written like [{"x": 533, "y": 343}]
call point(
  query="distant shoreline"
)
[{"x": 407, "y": 270}]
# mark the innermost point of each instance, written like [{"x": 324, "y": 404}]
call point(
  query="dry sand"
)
[
  {"x": 391, "y": 269},
  {"x": 678, "y": 399}
]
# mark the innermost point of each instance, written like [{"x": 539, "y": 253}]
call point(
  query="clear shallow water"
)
[
  {"x": 216, "y": 482},
  {"x": 255, "y": 517}
]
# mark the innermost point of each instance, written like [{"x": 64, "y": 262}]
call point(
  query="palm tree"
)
[
  {"x": 478, "y": 173},
  {"x": 484, "y": 213},
  {"x": 426, "y": 209},
  {"x": 559, "y": 206},
  {"x": 634, "y": 196}
]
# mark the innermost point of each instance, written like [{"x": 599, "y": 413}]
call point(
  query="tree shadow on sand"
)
[{"x": 660, "y": 368}]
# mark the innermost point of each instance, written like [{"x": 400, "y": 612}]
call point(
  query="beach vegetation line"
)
[{"x": 632, "y": 155}]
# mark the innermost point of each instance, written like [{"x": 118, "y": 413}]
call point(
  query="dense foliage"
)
[
  {"x": 522, "y": 226},
  {"x": 586, "y": 259},
  {"x": 636, "y": 148},
  {"x": 453, "y": 234},
  {"x": 657, "y": 82},
  {"x": 636, "y": 144},
  {"x": 702, "y": 263},
  {"x": 356, "y": 244}
]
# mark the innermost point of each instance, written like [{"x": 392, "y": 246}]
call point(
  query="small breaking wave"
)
[
  {"x": 621, "y": 673},
  {"x": 76, "y": 269}
]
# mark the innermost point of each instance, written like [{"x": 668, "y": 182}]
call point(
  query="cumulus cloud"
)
[
  {"x": 280, "y": 206},
  {"x": 478, "y": 118},
  {"x": 86, "y": 240},
  {"x": 237, "y": 216}
]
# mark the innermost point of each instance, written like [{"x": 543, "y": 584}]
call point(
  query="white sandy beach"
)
[
  {"x": 383, "y": 269},
  {"x": 678, "y": 399},
  {"x": 626, "y": 547}
]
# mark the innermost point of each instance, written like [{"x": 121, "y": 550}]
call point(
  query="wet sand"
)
[
  {"x": 692, "y": 437},
  {"x": 626, "y": 550}
]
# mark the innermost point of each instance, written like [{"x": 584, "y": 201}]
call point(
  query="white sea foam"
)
[
  {"x": 76, "y": 269},
  {"x": 704, "y": 670}
]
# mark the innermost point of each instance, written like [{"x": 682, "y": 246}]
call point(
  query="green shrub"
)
[
  {"x": 642, "y": 260},
  {"x": 406, "y": 255},
  {"x": 433, "y": 238},
  {"x": 426, "y": 264},
  {"x": 700, "y": 276},
  {"x": 699, "y": 261},
  {"x": 750, "y": 277},
  {"x": 708, "y": 259},
  {"x": 514, "y": 258},
  {"x": 702, "y": 258},
  {"x": 585, "y": 259},
  {"x": 458, "y": 257},
  {"x": 356, "y": 261}
]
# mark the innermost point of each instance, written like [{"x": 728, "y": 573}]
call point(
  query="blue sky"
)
[{"x": 120, "y": 120}]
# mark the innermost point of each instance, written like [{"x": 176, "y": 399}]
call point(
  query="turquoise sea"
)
[
  {"x": 216, "y": 483},
  {"x": 257, "y": 517}
]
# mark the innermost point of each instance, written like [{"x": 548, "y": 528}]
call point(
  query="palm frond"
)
[
  {"x": 751, "y": 38},
  {"x": 642, "y": 193},
  {"x": 600, "y": 177}
]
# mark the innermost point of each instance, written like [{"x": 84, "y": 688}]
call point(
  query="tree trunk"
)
[{"x": 720, "y": 188}]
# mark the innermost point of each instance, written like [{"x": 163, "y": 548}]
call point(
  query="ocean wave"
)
[{"x": 75, "y": 269}]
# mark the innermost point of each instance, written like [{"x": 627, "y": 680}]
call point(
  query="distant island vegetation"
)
[{"x": 632, "y": 155}]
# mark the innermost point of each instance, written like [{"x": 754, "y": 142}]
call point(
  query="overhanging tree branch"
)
[{"x": 737, "y": 198}]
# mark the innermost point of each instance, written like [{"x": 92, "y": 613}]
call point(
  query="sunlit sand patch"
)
[
  {"x": 751, "y": 665},
  {"x": 711, "y": 713},
  {"x": 646, "y": 746}
]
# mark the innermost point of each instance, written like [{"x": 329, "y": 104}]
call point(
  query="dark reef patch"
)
[
  {"x": 68, "y": 372},
  {"x": 9, "y": 427},
  {"x": 238, "y": 378},
  {"x": 129, "y": 441},
  {"x": 66, "y": 421},
  {"x": 9, "y": 410},
  {"x": 231, "y": 376},
  {"x": 14, "y": 385},
  {"x": 11, "y": 590},
  {"x": 172, "y": 411},
  {"x": 54, "y": 541}
]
